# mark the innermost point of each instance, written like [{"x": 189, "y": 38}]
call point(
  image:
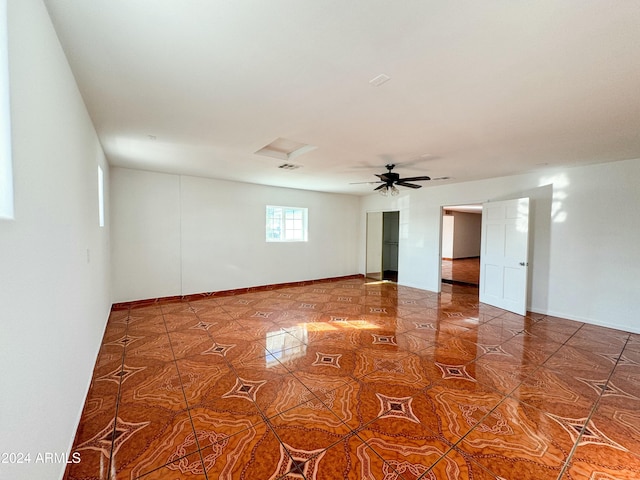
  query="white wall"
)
[
  {"x": 176, "y": 235},
  {"x": 467, "y": 234},
  {"x": 54, "y": 297},
  {"x": 373, "y": 245},
  {"x": 145, "y": 234},
  {"x": 447, "y": 236},
  {"x": 585, "y": 253}
]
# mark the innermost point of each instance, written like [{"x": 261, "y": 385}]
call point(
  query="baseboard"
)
[
  {"x": 87, "y": 389},
  {"x": 590, "y": 321},
  {"x": 223, "y": 293},
  {"x": 460, "y": 283}
]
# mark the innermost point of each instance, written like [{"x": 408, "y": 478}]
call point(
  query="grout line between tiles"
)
[
  {"x": 184, "y": 395},
  {"x": 229, "y": 366},
  {"x": 488, "y": 414},
  {"x": 120, "y": 380},
  {"x": 590, "y": 416},
  {"x": 270, "y": 425},
  {"x": 149, "y": 472}
]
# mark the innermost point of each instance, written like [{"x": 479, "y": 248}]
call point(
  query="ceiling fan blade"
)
[
  {"x": 368, "y": 183},
  {"x": 414, "y": 179},
  {"x": 382, "y": 176},
  {"x": 420, "y": 159},
  {"x": 368, "y": 166},
  {"x": 380, "y": 187},
  {"x": 410, "y": 185}
]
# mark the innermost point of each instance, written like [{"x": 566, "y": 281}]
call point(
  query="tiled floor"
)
[
  {"x": 461, "y": 271},
  {"x": 361, "y": 381}
]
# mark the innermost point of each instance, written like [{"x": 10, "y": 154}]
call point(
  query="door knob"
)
[{"x": 522, "y": 264}]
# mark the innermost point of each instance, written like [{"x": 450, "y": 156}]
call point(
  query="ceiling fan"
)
[{"x": 389, "y": 180}]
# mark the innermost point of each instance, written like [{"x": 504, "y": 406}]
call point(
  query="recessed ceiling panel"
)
[{"x": 285, "y": 149}]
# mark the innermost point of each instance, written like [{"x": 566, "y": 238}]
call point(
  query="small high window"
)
[
  {"x": 286, "y": 224},
  {"x": 6, "y": 174},
  {"x": 100, "y": 196}
]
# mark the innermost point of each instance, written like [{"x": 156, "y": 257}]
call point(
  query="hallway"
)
[{"x": 463, "y": 271}]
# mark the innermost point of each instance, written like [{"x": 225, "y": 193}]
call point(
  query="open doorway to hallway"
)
[
  {"x": 383, "y": 233},
  {"x": 461, "y": 237}
]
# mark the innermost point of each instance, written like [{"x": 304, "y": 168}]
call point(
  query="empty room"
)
[{"x": 231, "y": 238}]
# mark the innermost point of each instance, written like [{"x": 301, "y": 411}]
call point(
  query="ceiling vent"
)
[
  {"x": 379, "y": 80},
  {"x": 289, "y": 166},
  {"x": 285, "y": 149}
]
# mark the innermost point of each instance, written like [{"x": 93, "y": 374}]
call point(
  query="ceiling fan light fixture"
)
[{"x": 390, "y": 179}]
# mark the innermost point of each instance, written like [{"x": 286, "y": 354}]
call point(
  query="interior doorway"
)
[
  {"x": 383, "y": 234},
  {"x": 505, "y": 255},
  {"x": 461, "y": 234}
]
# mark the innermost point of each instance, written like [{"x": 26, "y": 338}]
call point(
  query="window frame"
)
[
  {"x": 100, "y": 196},
  {"x": 6, "y": 163},
  {"x": 286, "y": 224}
]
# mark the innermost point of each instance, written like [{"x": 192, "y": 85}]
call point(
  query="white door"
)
[{"x": 504, "y": 254}]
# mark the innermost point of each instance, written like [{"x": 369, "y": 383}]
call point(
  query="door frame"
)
[
  {"x": 366, "y": 239},
  {"x": 440, "y": 231}
]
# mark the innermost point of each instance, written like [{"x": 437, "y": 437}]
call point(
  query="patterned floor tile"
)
[
  {"x": 189, "y": 467},
  {"x": 560, "y": 394},
  {"x": 579, "y": 362},
  {"x": 198, "y": 376},
  {"x": 228, "y": 396},
  {"x": 358, "y": 380},
  {"x": 338, "y": 461},
  {"x": 617, "y": 417},
  {"x": 398, "y": 408},
  {"x": 384, "y": 456},
  {"x": 458, "y": 411},
  {"x": 251, "y": 453},
  {"x": 531, "y": 349},
  {"x": 512, "y": 438},
  {"x": 151, "y": 348},
  {"x": 456, "y": 465},
  {"x": 594, "y": 467},
  {"x": 500, "y": 372},
  {"x": 145, "y": 444},
  {"x": 393, "y": 367}
]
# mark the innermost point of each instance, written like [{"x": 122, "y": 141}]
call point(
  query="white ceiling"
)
[{"x": 477, "y": 89}]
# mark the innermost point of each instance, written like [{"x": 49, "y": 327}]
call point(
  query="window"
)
[
  {"x": 286, "y": 224},
  {"x": 101, "y": 196},
  {"x": 6, "y": 175}
]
